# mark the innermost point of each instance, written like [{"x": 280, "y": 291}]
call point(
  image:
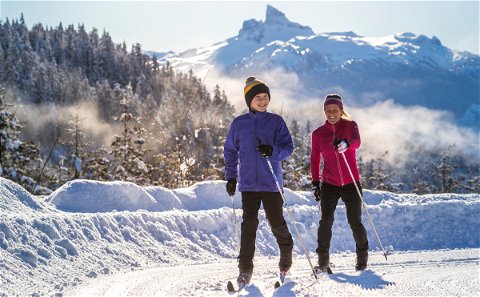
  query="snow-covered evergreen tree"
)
[
  {"x": 75, "y": 144},
  {"x": 223, "y": 112},
  {"x": 127, "y": 148},
  {"x": 97, "y": 165},
  {"x": 17, "y": 158},
  {"x": 297, "y": 166},
  {"x": 444, "y": 172},
  {"x": 376, "y": 174}
]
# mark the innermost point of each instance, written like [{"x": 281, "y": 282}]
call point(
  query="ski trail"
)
[{"x": 414, "y": 274}]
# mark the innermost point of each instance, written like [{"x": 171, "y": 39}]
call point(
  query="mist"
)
[
  {"x": 42, "y": 122},
  {"x": 385, "y": 126}
]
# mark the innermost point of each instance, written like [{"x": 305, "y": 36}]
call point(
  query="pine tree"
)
[
  {"x": 444, "y": 172},
  {"x": 97, "y": 165},
  {"x": 128, "y": 147},
  {"x": 2, "y": 63},
  {"x": 297, "y": 166},
  {"x": 166, "y": 170},
  {"x": 376, "y": 174},
  {"x": 223, "y": 113},
  {"x": 472, "y": 183},
  {"x": 17, "y": 158},
  {"x": 75, "y": 144}
]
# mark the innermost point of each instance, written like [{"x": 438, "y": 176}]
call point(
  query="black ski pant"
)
[
  {"x": 328, "y": 202},
  {"x": 273, "y": 206}
]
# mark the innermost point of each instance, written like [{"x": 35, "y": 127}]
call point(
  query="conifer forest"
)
[{"x": 73, "y": 104}]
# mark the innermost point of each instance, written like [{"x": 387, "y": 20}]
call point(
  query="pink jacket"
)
[{"x": 334, "y": 172}]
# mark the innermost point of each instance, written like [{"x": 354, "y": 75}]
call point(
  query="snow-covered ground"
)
[
  {"x": 93, "y": 238},
  {"x": 427, "y": 273}
]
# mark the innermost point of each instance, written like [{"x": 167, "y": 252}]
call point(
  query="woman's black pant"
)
[
  {"x": 353, "y": 204},
  {"x": 273, "y": 206}
]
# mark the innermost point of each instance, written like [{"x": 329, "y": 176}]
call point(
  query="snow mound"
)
[
  {"x": 93, "y": 196},
  {"x": 14, "y": 198},
  {"x": 204, "y": 196},
  {"x": 165, "y": 198},
  {"x": 88, "y": 196}
]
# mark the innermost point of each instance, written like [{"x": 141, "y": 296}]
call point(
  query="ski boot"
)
[
  {"x": 244, "y": 278},
  {"x": 323, "y": 264},
  {"x": 362, "y": 260},
  {"x": 285, "y": 262}
]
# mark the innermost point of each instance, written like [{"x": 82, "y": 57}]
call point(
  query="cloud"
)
[
  {"x": 285, "y": 89},
  {"x": 400, "y": 130},
  {"x": 384, "y": 125}
]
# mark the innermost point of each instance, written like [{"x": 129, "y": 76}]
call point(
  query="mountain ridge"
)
[{"x": 408, "y": 68}]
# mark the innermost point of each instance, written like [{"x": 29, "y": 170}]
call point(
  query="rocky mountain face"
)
[{"x": 408, "y": 68}]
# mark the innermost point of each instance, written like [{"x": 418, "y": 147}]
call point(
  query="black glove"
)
[
  {"x": 265, "y": 149},
  {"x": 341, "y": 145},
  {"x": 316, "y": 189},
  {"x": 231, "y": 186}
]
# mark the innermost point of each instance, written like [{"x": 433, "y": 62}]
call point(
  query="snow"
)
[
  {"x": 280, "y": 34},
  {"x": 404, "y": 275},
  {"x": 93, "y": 238},
  {"x": 412, "y": 69}
]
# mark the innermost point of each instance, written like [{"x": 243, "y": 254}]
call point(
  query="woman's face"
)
[
  {"x": 333, "y": 113},
  {"x": 260, "y": 102}
]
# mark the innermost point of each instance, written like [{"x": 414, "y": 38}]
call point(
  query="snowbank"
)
[
  {"x": 14, "y": 198},
  {"x": 94, "y": 196},
  {"x": 91, "y": 197},
  {"x": 80, "y": 230}
]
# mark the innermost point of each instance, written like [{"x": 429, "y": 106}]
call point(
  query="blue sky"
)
[{"x": 180, "y": 25}]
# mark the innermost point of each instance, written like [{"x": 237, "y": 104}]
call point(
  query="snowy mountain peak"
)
[
  {"x": 275, "y": 16},
  {"x": 413, "y": 69},
  {"x": 418, "y": 39},
  {"x": 275, "y": 27}
]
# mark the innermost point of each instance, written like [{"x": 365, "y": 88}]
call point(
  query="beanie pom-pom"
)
[{"x": 250, "y": 79}]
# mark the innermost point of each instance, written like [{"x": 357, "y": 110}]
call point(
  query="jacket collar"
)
[
  {"x": 336, "y": 125},
  {"x": 257, "y": 114}
]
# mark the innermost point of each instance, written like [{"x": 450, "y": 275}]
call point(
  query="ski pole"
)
[
  {"x": 291, "y": 217},
  {"x": 364, "y": 205},
  {"x": 236, "y": 225}
]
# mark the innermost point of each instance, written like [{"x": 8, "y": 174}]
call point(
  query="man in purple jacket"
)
[{"x": 252, "y": 138}]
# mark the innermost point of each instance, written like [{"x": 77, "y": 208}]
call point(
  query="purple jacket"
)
[{"x": 244, "y": 162}]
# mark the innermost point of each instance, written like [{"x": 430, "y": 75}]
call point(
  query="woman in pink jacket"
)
[{"x": 338, "y": 135}]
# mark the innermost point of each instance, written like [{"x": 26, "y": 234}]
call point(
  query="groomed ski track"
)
[{"x": 419, "y": 273}]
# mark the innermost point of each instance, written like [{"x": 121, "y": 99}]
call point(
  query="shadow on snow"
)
[{"x": 367, "y": 280}]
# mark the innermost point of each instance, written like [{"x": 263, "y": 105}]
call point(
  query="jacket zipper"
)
[
  {"x": 256, "y": 159},
  {"x": 338, "y": 161}
]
